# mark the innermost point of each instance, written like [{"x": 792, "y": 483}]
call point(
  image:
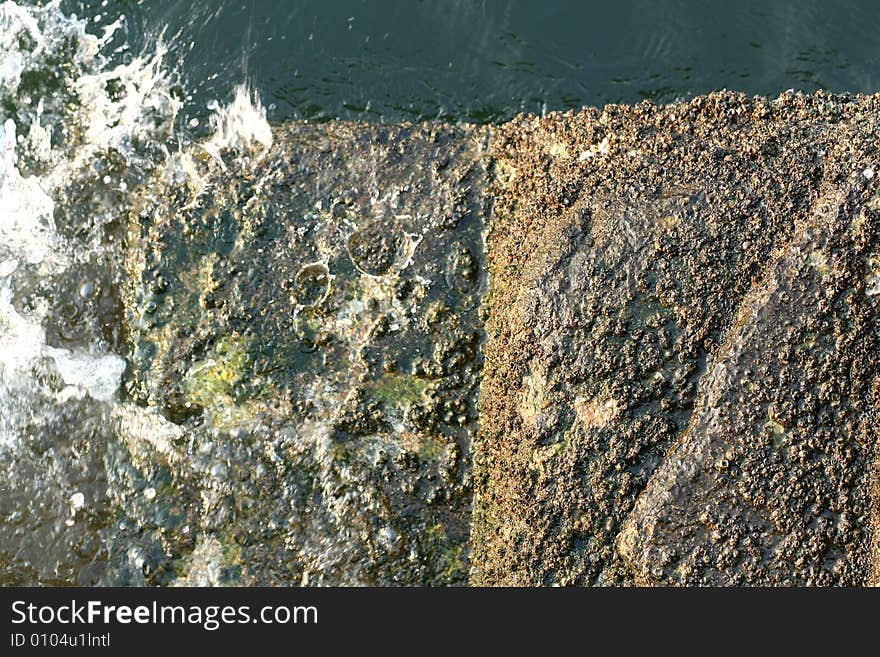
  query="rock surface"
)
[
  {"x": 680, "y": 376},
  {"x": 309, "y": 319},
  {"x": 771, "y": 481},
  {"x": 671, "y": 330}
]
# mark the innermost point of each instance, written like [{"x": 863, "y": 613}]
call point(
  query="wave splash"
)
[{"x": 84, "y": 122}]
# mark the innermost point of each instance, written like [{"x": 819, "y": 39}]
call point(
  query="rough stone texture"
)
[
  {"x": 680, "y": 371},
  {"x": 308, "y": 321},
  {"x": 771, "y": 481},
  {"x": 679, "y": 383}
]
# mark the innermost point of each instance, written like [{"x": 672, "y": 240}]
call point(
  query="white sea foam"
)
[
  {"x": 48, "y": 145},
  {"x": 21, "y": 341},
  {"x": 143, "y": 93},
  {"x": 100, "y": 107},
  {"x": 98, "y": 375},
  {"x": 27, "y": 229},
  {"x": 241, "y": 126}
]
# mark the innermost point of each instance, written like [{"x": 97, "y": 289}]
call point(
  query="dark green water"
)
[{"x": 486, "y": 61}]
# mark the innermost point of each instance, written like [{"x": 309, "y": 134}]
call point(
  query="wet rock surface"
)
[
  {"x": 306, "y": 323},
  {"x": 682, "y": 352},
  {"x": 53, "y": 503},
  {"x": 672, "y": 333}
]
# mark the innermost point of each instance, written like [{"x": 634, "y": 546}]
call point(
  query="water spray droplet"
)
[{"x": 7, "y": 267}]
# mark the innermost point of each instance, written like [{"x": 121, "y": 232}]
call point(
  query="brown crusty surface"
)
[{"x": 681, "y": 360}]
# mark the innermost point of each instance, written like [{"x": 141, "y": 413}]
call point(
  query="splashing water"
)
[
  {"x": 83, "y": 123},
  {"x": 75, "y": 116},
  {"x": 241, "y": 126}
]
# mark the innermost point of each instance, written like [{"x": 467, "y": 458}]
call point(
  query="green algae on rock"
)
[
  {"x": 309, "y": 318},
  {"x": 681, "y": 354}
]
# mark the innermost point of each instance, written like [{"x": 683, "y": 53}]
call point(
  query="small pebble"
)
[
  {"x": 7, "y": 267},
  {"x": 86, "y": 290},
  {"x": 77, "y": 501}
]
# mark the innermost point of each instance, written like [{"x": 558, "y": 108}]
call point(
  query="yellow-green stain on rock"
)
[
  {"x": 399, "y": 390},
  {"x": 209, "y": 383}
]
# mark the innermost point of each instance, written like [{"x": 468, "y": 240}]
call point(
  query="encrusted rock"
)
[
  {"x": 679, "y": 361},
  {"x": 771, "y": 481},
  {"x": 681, "y": 355},
  {"x": 295, "y": 314}
]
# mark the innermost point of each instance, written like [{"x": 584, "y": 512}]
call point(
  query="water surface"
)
[{"x": 487, "y": 60}]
